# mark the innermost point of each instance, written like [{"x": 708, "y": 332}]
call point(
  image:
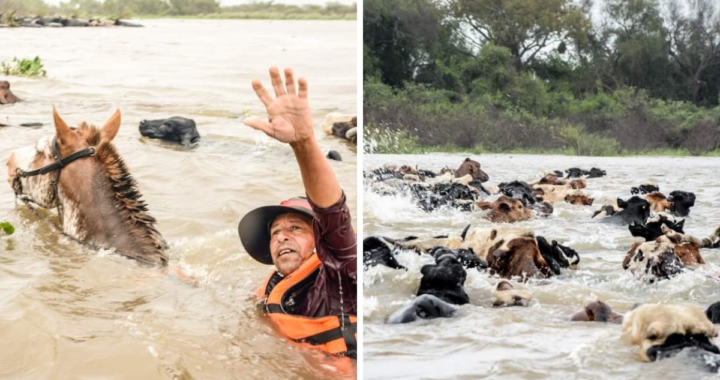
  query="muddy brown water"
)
[
  {"x": 537, "y": 342},
  {"x": 69, "y": 313}
]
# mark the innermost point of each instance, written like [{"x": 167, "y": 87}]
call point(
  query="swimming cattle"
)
[{"x": 175, "y": 129}]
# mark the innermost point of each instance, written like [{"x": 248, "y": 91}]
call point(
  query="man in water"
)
[{"x": 312, "y": 294}]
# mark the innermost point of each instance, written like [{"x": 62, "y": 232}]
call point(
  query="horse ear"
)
[
  {"x": 62, "y": 131},
  {"x": 111, "y": 127}
]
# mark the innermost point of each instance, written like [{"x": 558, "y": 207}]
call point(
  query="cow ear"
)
[
  {"x": 504, "y": 207},
  {"x": 621, "y": 203},
  {"x": 111, "y": 127},
  {"x": 589, "y": 313}
]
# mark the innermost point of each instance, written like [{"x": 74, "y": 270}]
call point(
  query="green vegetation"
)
[
  {"x": 451, "y": 76},
  {"x": 23, "y": 67},
  {"x": 180, "y": 9},
  {"x": 7, "y": 228}
]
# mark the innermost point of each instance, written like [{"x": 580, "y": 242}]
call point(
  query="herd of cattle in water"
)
[{"x": 517, "y": 253}]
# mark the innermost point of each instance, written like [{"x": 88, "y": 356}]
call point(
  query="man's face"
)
[{"x": 291, "y": 241}]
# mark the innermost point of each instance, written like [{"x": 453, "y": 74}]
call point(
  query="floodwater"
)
[
  {"x": 67, "y": 312},
  {"x": 539, "y": 341}
]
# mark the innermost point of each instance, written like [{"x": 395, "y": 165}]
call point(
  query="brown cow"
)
[
  {"x": 552, "y": 179},
  {"x": 551, "y": 193},
  {"x": 6, "y": 96},
  {"x": 597, "y": 311},
  {"x": 578, "y": 184},
  {"x": 579, "y": 199},
  {"x": 407, "y": 169},
  {"x": 506, "y": 210},
  {"x": 560, "y": 193},
  {"x": 473, "y": 168},
  {"x": 687, "y": 247},
  {"x": 506, "y": 295},
  {"x": 518, "y": 257},
  {"x": 667, "y": 255},
  {"x": 479, "y": 240},
  {"x": 658, "y": 201},
  {"x": 653, "y": 260}
]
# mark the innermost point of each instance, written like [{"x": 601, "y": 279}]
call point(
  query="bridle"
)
[{"x": 57, "y": 166}]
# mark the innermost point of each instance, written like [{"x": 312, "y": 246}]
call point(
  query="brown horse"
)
[{"x": 80, "y": 172}]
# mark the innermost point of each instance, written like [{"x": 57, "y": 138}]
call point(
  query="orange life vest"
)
[{"x": 334, "y": 334}]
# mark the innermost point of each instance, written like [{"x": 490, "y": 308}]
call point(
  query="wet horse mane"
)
[{"x": 127, "y": 200}]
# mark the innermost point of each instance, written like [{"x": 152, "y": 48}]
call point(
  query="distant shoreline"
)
[
  {"x": 220, "y": 16},
  {"x": 448, "y": 149},
  {"x": 244, "y": 17},
  {"x": 253, "y": 16}
]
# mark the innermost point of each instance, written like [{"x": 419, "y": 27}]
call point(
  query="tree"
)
[
  {"x": 695, "y": 43},
  {"x": 23, "y": 7},
  {"x": 193, "y": 7},
  {"x": 526, "y": 27},
  {"x": 117, "y": 8},
  {"x": 82, "y": 7},
  {"x": 640, "y": 54},
  {"x": 149, "y": 7},
  {"x": 412, "y": 40}
]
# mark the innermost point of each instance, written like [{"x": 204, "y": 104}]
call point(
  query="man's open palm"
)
[{"x": 289, "y": 117}]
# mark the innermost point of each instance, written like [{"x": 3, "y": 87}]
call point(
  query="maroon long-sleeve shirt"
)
[{"x": 336, "y": 247}]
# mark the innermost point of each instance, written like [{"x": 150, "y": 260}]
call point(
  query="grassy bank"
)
[{"x": 626, "y": 122}]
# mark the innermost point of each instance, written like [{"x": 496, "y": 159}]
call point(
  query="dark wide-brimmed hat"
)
[{"x": 254, "y": 228}]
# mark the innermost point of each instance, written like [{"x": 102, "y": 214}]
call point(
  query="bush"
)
[
  {"x": 24, "y": 67},
  {"x": 7, "y": 228},
  {"x": 377, "y": 139}
]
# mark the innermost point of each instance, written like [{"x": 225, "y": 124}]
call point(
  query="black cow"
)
[
  {"x": 596, "y": 173},
  {"x": 518, "y": 190},
  {"x": 651, "y": 230},
  {"x": 334, "y": 155},
  {"x": 378, "y": 250},
  {"x": 681, "y": 202},
  {"x": 635, "y": 210},
  {"x": 713, "y": 313},
  {"x": 645, "y": 188},
  {"x": 444, "y": 279},
  {"x": 341, "y": 129},
  {"x": 557, "y": 255},
  {"x": 576, "y": 173},
  {"x": 441, "y": 287},
  {"x": 175, "y": 129},
  {"x": 426, "y": 306}
]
